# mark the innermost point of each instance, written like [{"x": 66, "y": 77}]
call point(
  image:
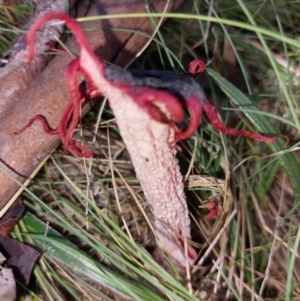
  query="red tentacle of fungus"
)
[
  {"x": 70, "y": 23},
  {"x": 42, "y": 119},
  {"x": 212, "y": 206},
  {"x": 71, "y": 119},
  {"x": 196, "y": 67},
  {"x": 151, "y": 101},
  {"x": 194, "y": 106},
  {"x": 212, "y": 116}
]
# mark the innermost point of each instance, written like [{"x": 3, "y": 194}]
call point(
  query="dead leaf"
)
[
  {"x": 11, "y": 217},
  {"x": 20, "y": 257}
]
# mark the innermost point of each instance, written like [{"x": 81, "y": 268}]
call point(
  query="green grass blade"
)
[
  {"x": 68, "y": 254},
  {"x": 287, "y": 159},
  {"x": 290, "y": 270}
]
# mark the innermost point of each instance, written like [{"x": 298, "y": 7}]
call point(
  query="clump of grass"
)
[{"x": 12, "y": 19}]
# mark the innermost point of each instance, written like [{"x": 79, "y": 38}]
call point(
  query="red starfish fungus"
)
[{"x": 147, "y": 106}]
